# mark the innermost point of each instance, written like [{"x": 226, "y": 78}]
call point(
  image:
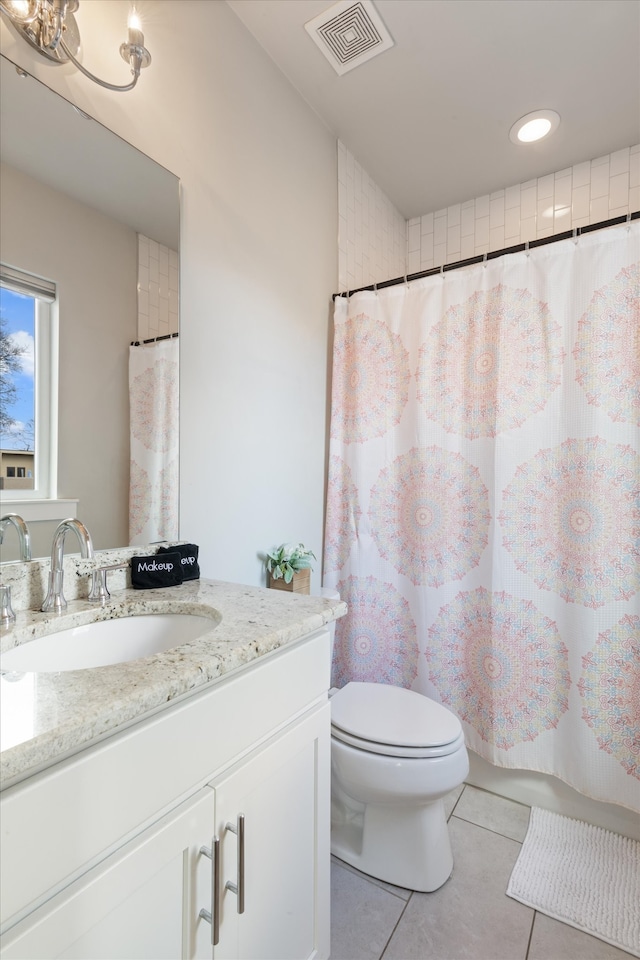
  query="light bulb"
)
[
  {"x": 534, "y": 130},
  {"x": 534, "y": 126},
  {"x": 136, "y": 36},
  {"x": 22, "y": 11}
]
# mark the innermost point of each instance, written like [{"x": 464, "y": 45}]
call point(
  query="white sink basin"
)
[{"x": 107, "y": 641}]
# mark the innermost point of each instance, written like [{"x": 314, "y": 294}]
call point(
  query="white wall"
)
[
  {"x": 258, "y": 264},
  {"x": 93, "y": 260}
]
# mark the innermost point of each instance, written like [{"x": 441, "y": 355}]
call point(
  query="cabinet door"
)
[
  {"x": 282, "y": 791},
  {"x": 142, "y": 902}
]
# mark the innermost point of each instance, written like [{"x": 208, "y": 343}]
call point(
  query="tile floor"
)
[{"x": 470, "y": 917}]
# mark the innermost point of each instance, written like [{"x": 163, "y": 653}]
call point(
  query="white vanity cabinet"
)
[
  {"x": 141, "y": 902},
  {"x": 281, "y": 795},
  {"x": 106, "y": 850}
]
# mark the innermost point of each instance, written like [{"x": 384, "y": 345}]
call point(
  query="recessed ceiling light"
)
[{"x": 534, "y": 126}]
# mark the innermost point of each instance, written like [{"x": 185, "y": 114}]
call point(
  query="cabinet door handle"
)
[
  {"x": 213, "y": 916},
  {"x": 238, "y": 888}
]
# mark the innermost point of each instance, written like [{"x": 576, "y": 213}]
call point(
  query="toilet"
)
[{"x": 395, "y": 755}]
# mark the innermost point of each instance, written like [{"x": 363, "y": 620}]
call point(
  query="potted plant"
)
[{"x": 289, "y": 567}]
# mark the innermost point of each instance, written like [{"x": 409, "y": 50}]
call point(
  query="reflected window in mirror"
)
[{"x": 28, "y": 395}]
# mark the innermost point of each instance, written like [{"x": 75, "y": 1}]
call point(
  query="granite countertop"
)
[{"x": 48, "y": 716}]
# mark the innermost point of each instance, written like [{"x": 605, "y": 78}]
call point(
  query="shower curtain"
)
[
  {"x": 483, "y": 503},
  {"x": 153, "y": 485}
]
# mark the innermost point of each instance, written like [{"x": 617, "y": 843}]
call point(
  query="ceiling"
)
[{"x": 429, "y": 119}]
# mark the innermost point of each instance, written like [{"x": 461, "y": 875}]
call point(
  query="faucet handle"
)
[
  {"x": 99, "y": 592},
  {"x": 7, "y": 615}
]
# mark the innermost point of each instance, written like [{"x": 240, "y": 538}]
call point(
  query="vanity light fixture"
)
[
  {"x": 534, "y": 126},
  {"x": 50, "y": 27}
]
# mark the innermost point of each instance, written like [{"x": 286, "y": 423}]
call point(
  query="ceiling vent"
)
[{"x": 349, "y": 34}]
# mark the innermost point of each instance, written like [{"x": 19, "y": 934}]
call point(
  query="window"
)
[{"x": 28, "y": 386}]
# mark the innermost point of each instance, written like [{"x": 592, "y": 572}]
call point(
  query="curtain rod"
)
[
  {"x": 432, "y": 271},
  {"x": 165, "y": 336}
]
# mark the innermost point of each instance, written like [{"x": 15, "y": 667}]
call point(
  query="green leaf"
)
[{"x": 286, "y": 559}]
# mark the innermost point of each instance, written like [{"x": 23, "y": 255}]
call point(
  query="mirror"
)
[{"x": 75, "y": 199}]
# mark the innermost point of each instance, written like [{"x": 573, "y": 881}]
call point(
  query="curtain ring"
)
[
  {"x": 526, "y": 248},
  {"x": 442, "y": 270},
  {"x": 575, "y": 235},
  {"x": 484, "y": 260}
]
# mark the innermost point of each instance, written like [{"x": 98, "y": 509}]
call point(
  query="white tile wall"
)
[
  {"x": 372, "y": 235},
  {"x": 157, "y": 289},
  {"x": 586, "y": 193}
]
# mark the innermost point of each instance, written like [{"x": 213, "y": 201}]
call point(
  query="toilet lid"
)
[{"x": 384, "y": 714}]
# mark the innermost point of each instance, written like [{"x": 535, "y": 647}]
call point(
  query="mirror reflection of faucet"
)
[
  {"x": 55, "y": 601},
  {"x": 13, "y": 520}
]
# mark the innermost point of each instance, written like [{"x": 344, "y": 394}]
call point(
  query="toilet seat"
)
[
  {"x": 395, "y": 750},
  {"x": 393, "y": 721}
]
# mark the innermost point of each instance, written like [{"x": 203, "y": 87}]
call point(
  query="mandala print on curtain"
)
[
  {"x": 490, "y": 363},
  {"x": 371, "y": 375},
  {"x": 153, "y": 398},
  {"x": 377, "y": 638},
  {"x": 343, "y": 515},
  {"x": 609, "y": 691},
  {"x": 571, "y": 521},
  {"x": 607, "y": 352},
  {"x": 429, "y": 515},
  {"x": 501, "y": 665},
  {"x": 483, "y": 508}
]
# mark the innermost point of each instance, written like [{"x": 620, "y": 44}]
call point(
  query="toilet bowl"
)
[{"x": 395, "y": 755}]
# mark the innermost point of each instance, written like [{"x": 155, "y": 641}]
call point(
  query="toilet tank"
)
[{"x": 331, "y": 595}]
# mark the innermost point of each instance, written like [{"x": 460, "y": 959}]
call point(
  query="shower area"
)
[
  {"x": 154, "y": 403},
  {"x": 483, "y": 503}
]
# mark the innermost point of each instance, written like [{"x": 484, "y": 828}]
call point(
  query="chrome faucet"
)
[
  {"x": 7, "y": 616},
  {"x": 12, "y": 519},
  {"x": 55, "y": 601}
]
